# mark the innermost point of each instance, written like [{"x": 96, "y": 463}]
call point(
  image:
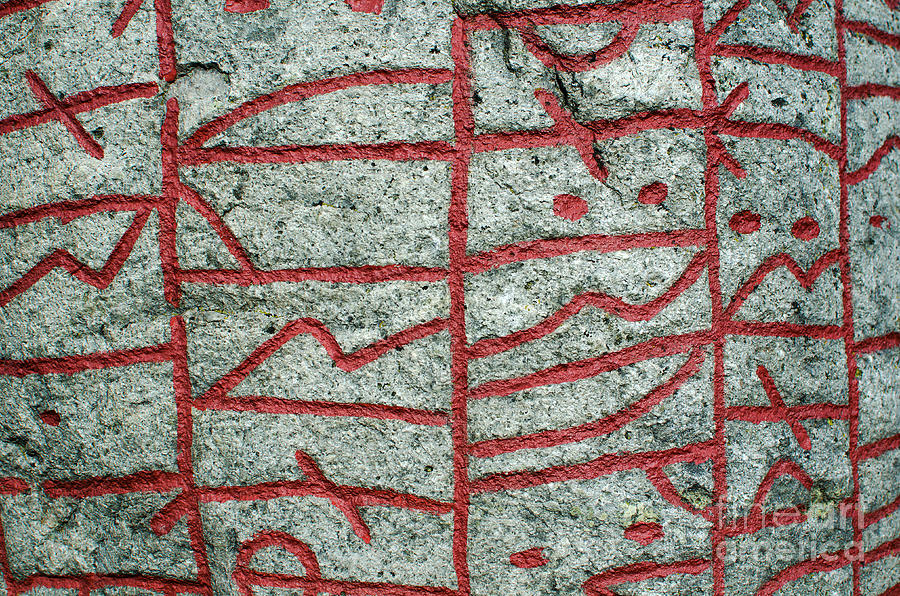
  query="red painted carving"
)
[
  {"x": 744, "y": 222},
  {"x": 644, "y": 533},
  {"x": 529, "y": 559},
  {"x": 569, "y": 207},
  {"x": 714, "y": 120}
]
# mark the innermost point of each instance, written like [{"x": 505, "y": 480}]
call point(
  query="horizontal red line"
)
[
  {"x": 84, "y": 101},
  {"x": 14, "y": 6},
  {"x": 629, "y": 11},
  {"x": 781, "y": 329},
  {"x": 275, "y": 405},
  {"x": 94, "y": 581},
  {"x": 12, "y": 486},
  {"x": 336, "y": 274},
  {"x": 758, "y": 414},
  {"x": 68, "y": 365},
  {"x": 303, "y": 488},
  {"x": 148, "y": 481},
  {"x": 779, "y": 132},
  {"x": 395, "y": 151},
  {"x": 872, "y": 90},
  {"x": 161, "y": 482}
]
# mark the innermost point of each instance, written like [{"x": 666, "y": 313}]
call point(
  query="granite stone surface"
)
[{"x": 436, "y": 298}]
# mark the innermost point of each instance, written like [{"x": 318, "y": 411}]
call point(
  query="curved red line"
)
[
  {"x": 805, "y": 278},
  {"x": 581, "y": 62},
  {"x": 321, "y": 333},
  {"x": 867, "y": 170},
  {"x": 601, "y": 466},
  {"x": 301, "y": 91},
  {"x": 610, "y": 304},
  {"x": 667, "y": 491},
  {"x": 589, "y": 367},
  {"x": 822, "y": 563},
  {"x": 598, "y": 585},
  {"x": 546, "y": 248},
  {"x": 604, "y": 426},
  {"x": 780, "y": 132}
]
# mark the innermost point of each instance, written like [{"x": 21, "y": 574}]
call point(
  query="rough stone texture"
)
[{"x": 490, "y": 298}]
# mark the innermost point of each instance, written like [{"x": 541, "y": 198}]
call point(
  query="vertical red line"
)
[
  {"x": 457, "y": 240},
  {"x": 11, "y": 584},
  {"x": 168, "y": 252},
  {"x": 703, "y": 47},
  {"x": 184, "y": 445},
  {"x": 847, "y": 300},
  {"x": 165, "y": 39}
]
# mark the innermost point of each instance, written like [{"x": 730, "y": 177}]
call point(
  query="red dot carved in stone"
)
[
  {"x": 744, "y": 222},
  {"x": 644, "y": 532},
  {"x": 878, "y": 221},
  {"x": 569, "y": 207},
  {"x": 653, "y": 194},
  {"x": 50, "y": 417},
  {"x": 373, "y": 6},
  {"x": 528, "y": 559},
  {"x": 805, "y": 228},
  {"x": 245, "y": 6}
]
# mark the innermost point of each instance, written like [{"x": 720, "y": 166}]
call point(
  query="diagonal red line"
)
[
  {"x": 14, "y": 6},
  {"x": 604, "y": 426},
  {"x": 41, "y": 91},
  {"x": 318, "y": 330},
  {"x": 100, "y": 279},
  {"x": 782, "y": 410},
  {"x": 804, "y": 278},
  {"x": 128, "y": 11}
]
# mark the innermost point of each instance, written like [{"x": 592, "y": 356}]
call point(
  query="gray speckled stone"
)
[{"x": 135, "y": 461}]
